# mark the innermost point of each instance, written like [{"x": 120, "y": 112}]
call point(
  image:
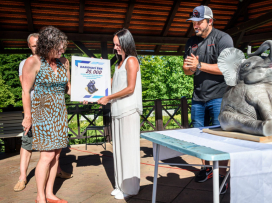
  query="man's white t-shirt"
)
[{"x": 21, "y": 72}]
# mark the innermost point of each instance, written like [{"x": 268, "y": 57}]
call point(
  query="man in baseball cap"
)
[
  {"x": 197, "y": 17},
  {"x": 200, "y": 60}
]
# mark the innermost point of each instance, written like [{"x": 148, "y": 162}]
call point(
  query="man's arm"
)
[
  {"x": 192, "y": 61},
  {"x": 21, "y": 71}
]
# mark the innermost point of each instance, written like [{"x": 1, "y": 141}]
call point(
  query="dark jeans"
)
[{"x": 204, "y": 112}]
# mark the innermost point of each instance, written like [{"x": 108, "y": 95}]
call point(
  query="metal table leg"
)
[
  {"x": 216, "y": 182},
  {"x": 154, "y": 193}
]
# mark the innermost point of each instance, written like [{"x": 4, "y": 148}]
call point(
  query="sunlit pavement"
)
[{"x": 93, "y": 178}]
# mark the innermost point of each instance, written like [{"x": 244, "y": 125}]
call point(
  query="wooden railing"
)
[
  {"x": 153, "y": 118},
  {"x": 84, "y": 110},
  {"x": 157, "y": 107}
]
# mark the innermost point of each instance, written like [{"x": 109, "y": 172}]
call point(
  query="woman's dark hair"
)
[
  {"x": 50, "y": 38},
  {"x": 127, "y": 44}
]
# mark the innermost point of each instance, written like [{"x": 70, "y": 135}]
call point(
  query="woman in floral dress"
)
[{"x": 47, "y": 113}]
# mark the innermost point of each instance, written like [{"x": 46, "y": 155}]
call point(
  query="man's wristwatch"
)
[
  {"x": 191, "y": 70},
  {"x": 198, "y": 66}
]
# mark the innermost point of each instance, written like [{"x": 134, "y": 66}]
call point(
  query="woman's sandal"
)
[
  {"x": 56, "y": 201},
  {"x": 20, "y": 185},
  {"x": 36, "y": 201},
  {"x": 64, "y": 175}
]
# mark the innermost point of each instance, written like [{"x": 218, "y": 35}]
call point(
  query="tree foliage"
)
[
  {"x": 9, "y": 66},
  {"x": 163, "y": 78},
  {"x": 6, "y": 96}
]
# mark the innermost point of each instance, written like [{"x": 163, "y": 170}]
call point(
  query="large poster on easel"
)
[{"x": 90, "y": 78}]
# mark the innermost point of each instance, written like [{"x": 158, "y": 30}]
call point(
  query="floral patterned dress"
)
[{"x": 49, "y": 114}]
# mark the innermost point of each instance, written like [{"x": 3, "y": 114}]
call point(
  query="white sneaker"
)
[
  {"x": 115, "y": 192},
  {"x": 121, "y": 195}
]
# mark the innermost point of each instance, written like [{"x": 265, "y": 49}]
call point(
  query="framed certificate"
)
[{"x": 90, "y": 78}]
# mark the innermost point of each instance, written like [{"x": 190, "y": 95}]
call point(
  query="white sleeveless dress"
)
[{"x": 126, "y": 113}]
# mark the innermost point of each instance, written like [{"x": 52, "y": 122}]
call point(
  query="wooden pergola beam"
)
[
  {"x": 169, "y": 21},
  {"x": 15, "y": 51},
  {"x": 1, "y": 46},
  {"x": 239, "y": 39},
  {"x": 245, "y": 41},
  {"x": 129, "y": 13},
  {"x": 104, "y": 50},
  {"x": 251, "y": 24},
  {"x": 257, "y": 37},
  {"x": 242, "y": 7},
  {"x": 81, "y": 16},
  {"x": 181, "y": 49},
  {"x": 244, "y": 46},
  {"x": 113, "y": 60},
  {"x": 84, "y": 49},
  {"x": 157, "y": 48},
  {"x": 190, "y": 31},
  {"x": 157, "y": 40},
  {"x": 29, "y": 15},
  {"x": 171, "y": 17}
]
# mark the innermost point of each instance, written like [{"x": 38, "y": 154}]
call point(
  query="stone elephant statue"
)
[{"x": 247, "y": 104}]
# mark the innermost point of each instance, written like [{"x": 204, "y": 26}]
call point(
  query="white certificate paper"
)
[{"x": 90, "y": 78}]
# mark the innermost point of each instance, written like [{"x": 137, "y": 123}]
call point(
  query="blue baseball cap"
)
[{"x": 201, "y": 12}]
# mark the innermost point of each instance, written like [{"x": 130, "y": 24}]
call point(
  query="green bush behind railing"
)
[
  {"x": 83, "y": 124},
  {"x": 99, "y": 122}
]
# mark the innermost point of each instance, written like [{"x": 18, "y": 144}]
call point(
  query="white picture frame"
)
[{"x": 90, "y": 78}]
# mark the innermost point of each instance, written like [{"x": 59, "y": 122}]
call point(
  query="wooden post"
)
[
  {"x": 84, "y": 49},
  {"x": 113, "y": 60},
  {"x": 104, "y": 50},
  {"x": 78, "y": 121},
  {"x": 10, "y": 144},
  {"x": 158, "y": 115},
  {"x": 106, "y": 108},
  {"x": 81, "y": 16},
  {"x": 107, "y": 121},
  {"x": 184, "y": 112}
]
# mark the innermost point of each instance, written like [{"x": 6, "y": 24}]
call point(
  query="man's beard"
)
[{"x": 203, "y": 32}]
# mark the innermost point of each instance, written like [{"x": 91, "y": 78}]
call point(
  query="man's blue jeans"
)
[{"x": 202, "y": 113}]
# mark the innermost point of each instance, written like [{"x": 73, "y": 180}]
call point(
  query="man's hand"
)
[{"x": 191, "y": 62}]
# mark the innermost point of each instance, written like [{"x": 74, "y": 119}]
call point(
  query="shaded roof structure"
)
[{"x": 159, "y": 27}]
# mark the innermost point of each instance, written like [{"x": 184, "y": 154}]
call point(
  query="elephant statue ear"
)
[{"x": 228, "y": 62}]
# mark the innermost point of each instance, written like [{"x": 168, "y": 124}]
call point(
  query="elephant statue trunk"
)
[{"x": 264, "y": 46}]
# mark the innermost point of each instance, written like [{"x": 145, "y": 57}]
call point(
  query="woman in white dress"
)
[{"x": 126, "y": 108}]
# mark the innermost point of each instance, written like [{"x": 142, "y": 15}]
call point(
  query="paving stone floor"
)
[{"x": 94, "y": 178}]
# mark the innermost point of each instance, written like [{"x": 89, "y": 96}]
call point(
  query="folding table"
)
[{"x": 192, "y": 149}]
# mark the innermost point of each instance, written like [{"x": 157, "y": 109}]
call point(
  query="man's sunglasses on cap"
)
[{"x": 194, "y": 15}]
